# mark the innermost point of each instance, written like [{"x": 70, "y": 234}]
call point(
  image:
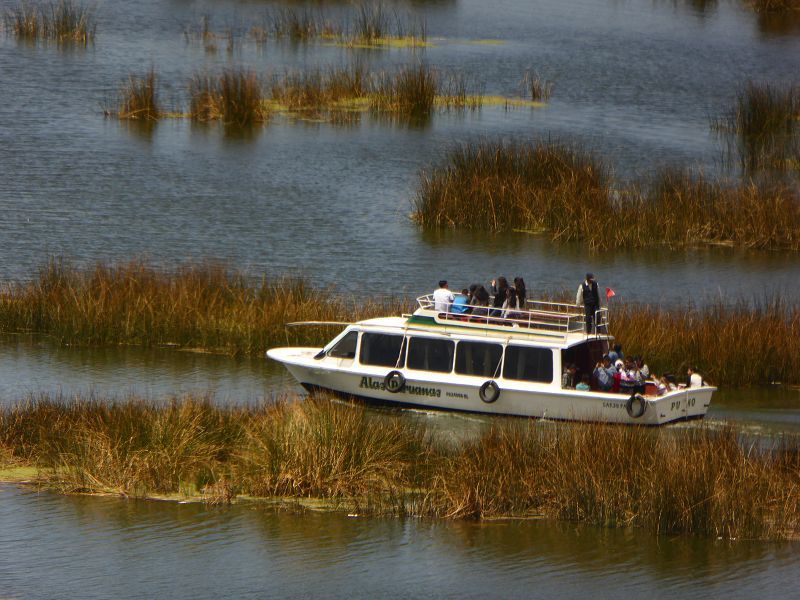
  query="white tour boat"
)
[{"x": 482, "y": 362}]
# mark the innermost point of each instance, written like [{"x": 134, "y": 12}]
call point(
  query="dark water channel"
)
[{"x": 635, "y": 80}]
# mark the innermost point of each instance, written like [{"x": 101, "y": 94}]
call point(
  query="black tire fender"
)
[
  {"x": 394, "y": 382},
  {"x": 636, "y": 406},
  {"x": 489, "y": 391}
]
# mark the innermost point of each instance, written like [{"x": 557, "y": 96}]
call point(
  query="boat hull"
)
[{"x": 452, "y": 392}]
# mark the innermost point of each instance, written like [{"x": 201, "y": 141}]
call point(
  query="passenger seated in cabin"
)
[
  {"x": 442, "y": 297},
  {"x": 459, "y": 306},
  {"x": 641, "y": 381},
  {"x": 616, "y": 354},
  {"x": 643, "y": 368},
  {"x": 500, "y": 293},
  {"x": 568, "y": 376},
  {"x": 664, "y": 385},
  {"x": 695, "y": 379},
  {"x": 585, "y": 384},
  {"x": 627, "y": 379},
  {"x": 604, "y": 373}
]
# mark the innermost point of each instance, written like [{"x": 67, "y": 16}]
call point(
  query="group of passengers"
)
[
  {"x": 500, "y": 300},
  {"x": 619, "y": 374}
]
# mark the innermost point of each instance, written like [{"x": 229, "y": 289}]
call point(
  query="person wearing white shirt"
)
[
  {"x": 442, "y": 298},
  {"x": 695, "y": 379}
]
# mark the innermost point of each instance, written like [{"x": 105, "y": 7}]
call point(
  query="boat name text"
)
[{"x": 414, "y": 390}]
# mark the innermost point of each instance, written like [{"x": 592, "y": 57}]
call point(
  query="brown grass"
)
[
  {"x": 208, "y": 307},
  {"x": 139, "y": 99},
  {"x": 63, "y": 21},
  {"x": 567, "y": 192},
  {"x": 202, "y": 306},
  {"x": 700, "y": 481},
  {"x": 233, "y": 97}
]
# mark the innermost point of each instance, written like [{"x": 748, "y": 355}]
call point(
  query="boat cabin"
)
[{"x": 526, "y": 346}]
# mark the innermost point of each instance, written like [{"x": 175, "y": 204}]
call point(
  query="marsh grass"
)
[
  {"x": 138, "y": 99},
  {"x": 736, "y": 344},
  {"x": 411, "y": 91},
  {"x": 763, "y": 128},
  {"x": 536, "y": 88},
  {"x": 709, "y": 482},
  {"x": 233, "y": 97},
  {"x": 203, "y": 306},
  {"x": 567, "y": 193},
  {"x": 320, "y": 90},
  {"x": 63, "y": 22},
  {"x": 210, "y": 308},
  {"x": 774, "y": 6}
]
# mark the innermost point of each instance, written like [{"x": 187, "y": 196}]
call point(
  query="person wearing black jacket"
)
[{"x": 588, "y": 296}]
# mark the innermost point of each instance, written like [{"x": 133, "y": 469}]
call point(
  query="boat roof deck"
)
[{"x": 551, "y": 323}]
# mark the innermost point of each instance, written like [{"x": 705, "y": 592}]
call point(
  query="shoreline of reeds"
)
[
  {"x": 568, "y": 193},
  {"x": 713, "y": 483},
  {"x": 211, "y": 308}
]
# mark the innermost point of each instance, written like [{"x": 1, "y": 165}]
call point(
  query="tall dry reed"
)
[
  {"x": 208, "y": 307},
  {"x": 203, "y": 306},
  {"x": 765, "y": 127},
  {"x": 410, "y": 91},
  {"x": 567, "y": 193},
  {"x": 233, "y": 97},
  {"x": 62, "y": 21},
  {"x": 138, "y": 99},
  {"x": 701, "y": 481}
]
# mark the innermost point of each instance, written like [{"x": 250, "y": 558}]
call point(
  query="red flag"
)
[{"x": 610, "y": 293}]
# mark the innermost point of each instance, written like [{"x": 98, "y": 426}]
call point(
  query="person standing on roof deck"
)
[
  {"x": 442, "y": 297},
  {"x": 522, "y": 293},
  {"x": 589, "y": 297},
  {"x": 500, "y": 293}
]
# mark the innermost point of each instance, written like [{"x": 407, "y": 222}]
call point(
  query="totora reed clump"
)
[
  {"x": 63, "y": 21},
  {"x": 714, "y": 483},
  {"x": 208, "y": 307},
  {"x": 138, "y": 99},
  {"x": 233, "y": 97},
  {"x": 567, "y": 193}
]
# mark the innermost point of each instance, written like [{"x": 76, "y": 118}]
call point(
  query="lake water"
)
[{"x": 635, "y": 80}]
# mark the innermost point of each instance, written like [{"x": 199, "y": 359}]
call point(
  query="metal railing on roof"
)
[{"x": 538, "y": 316}]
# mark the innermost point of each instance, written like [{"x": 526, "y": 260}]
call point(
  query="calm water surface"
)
[
  {"x": 135, "y": 549},
  {"x": 634, "y": 80}
]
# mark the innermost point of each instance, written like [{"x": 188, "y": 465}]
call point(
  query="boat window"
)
[
  {"x": 528, "y": 364},
  {"x": 478, "y": 358},
  {"x": 345, "y": 347},
  {"x": 428, "y": 354},
  {"x": 381, "y": 350}
]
